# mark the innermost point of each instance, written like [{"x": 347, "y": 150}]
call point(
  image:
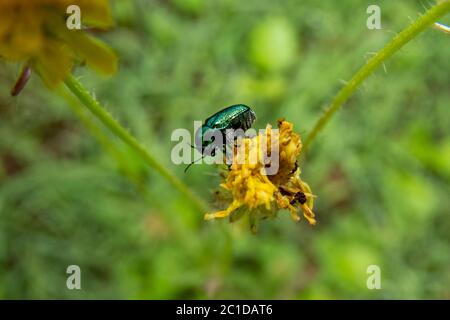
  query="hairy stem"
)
[
  {"x": 103, "y": 116},
  {"x": 392, "y": 47},
  {"x": 108, "y": 145}
]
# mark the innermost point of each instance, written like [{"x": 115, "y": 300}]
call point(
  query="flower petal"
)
[
  {"x": 96, "y": 13},
  {"x": 95, "y": 53},
  {"x": 54, "y": 63}
]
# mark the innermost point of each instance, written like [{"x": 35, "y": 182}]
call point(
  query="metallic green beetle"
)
[{"x": 238, "y": 116}]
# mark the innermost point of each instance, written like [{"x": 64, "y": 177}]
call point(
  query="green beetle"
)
[{"x": 238, "y": 116}]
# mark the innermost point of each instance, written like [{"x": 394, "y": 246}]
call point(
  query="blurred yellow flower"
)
[
  {"x": 262, "y": 194},
  {"x": 35, "y": 32}
]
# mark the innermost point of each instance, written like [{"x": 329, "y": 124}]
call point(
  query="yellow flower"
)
[
  {"x": 35, "y": 32},
  {"x": 261, "y": 193}
]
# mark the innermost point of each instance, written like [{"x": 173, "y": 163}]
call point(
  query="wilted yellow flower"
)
[
  {"x": 262, "y": 194},
  {"x": 35, "y": 33}
]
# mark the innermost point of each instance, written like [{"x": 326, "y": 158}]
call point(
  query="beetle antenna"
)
[{"x": 190, "y": 164}]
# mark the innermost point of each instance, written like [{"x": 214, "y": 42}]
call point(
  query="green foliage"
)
[
  {"x": 381, "y": 169},
  {"x": 273, "y": 44}
]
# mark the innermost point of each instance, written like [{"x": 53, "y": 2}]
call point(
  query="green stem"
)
[
  {"x": 104, "y": 140},
  {"x": 392, "y": 47},
  {"x": 103, "y": 116}
]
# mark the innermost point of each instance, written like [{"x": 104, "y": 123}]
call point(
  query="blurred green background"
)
[{"x": 381, "y": 169}]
